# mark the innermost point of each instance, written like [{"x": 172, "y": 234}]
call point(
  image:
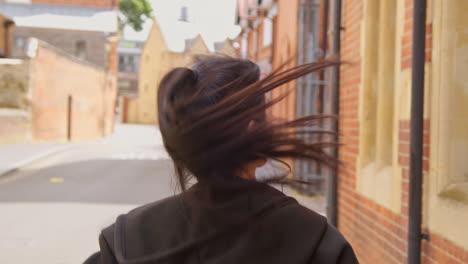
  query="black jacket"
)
[{"x": 207, "y": 225}]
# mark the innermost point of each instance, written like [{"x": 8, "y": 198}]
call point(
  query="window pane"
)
[{"x": 267, "y": 32}]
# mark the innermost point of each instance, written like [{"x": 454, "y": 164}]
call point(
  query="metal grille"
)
[{"x": 308, "y": 95}]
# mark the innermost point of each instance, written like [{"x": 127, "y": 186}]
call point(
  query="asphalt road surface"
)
[{"x": 52, "y": 210}]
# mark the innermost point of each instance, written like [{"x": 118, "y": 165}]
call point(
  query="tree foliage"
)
[{"x": 135, "y": 13}]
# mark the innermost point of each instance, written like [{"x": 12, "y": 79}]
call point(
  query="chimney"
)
[{"x": 183, "y": 14}]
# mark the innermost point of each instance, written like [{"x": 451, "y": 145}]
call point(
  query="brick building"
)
[
  {"x": 129, "y": 66},
  {"x": 85, "y": 29},
  {"x": 286, "y": 33},
  {"x": 374, "y": 102},
  {"x": 44, "y": 97},
  {"x": 256, "y": 37},
  {"x": 6, "y": 36}
]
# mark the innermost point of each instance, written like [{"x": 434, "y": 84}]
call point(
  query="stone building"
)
[
  {"x": 162, "y": 52},
  {"x": 226, "y": 47}
]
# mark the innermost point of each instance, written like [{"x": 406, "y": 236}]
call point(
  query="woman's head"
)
[{"x": 213, "y": 122}]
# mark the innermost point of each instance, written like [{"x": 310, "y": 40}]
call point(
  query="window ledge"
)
[{"x": 456, "y": 192}]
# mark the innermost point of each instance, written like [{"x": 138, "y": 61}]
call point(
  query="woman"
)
[{"x": 213, "y": 123}]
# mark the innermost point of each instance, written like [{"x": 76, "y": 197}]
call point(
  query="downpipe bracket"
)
[{"x": 425, "y": 236}]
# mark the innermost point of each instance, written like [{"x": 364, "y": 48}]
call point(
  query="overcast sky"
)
[{"x": 215, "y": 18}]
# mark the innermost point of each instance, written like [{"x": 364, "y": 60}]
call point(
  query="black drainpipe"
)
[
  {"x": 416, "y": 139},
  {"x": 332, "y": 181},
  {"x": 326, "y": 17}
]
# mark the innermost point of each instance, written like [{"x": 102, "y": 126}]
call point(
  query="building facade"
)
[
  {"x": 282, "y": 34},
  {"x": 375, "y": 96},
  {"x": 374, "y": 102},
  {"x": 6, "y": 36},
  {"x": 129, "y": 66},
  {"x": 256, "y": 19},
  {"x": 84, "y": 29},
  {"x": 53, "y": 44},
  {"x": 45, "y": 98},
  {"x": 162, "y": 52},
  {"x": 226, "y": 47}
]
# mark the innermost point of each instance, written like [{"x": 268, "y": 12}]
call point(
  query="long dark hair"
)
[{"x": 204, "y": 112}]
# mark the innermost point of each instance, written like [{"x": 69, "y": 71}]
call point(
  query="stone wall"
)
[
  {"x": 14, "y": 101},
  {"x": 14, "y": 83}
]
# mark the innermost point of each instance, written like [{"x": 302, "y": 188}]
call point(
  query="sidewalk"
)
[{"x": 13, "y": 156}]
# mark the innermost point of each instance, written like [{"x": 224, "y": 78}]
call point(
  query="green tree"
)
[{"x": 135, "y": 13}]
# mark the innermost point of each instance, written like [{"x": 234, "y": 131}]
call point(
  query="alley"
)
[{"x": 78, "y": 191}]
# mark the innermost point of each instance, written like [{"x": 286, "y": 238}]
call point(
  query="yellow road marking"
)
[{"x": 56, "y": 180}]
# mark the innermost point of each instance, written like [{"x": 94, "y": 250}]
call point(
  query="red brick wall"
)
[
  {"x": 251, "y": 45},
  {"x": 56, "y": 76},
  {"x": 377, "y": 234},
  {"x": 6, "y": 37},
  {"x": 112, "y": 62},
  {"x": 90, "y": 3},
  {"x": 349, "y": 92},
  {"x": 285, "y": 47},
  {"x": 407, "y": 39}
]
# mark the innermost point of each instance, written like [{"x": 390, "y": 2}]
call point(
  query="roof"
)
[
  {"x": 189, "y": 43},
  {"x": 178, "y": 35},
  {"x": 62, "y": 17},
  {"x": 7, "y": 18}
]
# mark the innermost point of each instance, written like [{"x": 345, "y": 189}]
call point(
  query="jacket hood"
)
[{"x": 207, "y": 224}]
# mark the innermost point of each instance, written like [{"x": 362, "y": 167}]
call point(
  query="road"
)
[{"x": 52, "y": 210}]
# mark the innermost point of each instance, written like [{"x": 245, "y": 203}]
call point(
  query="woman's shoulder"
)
[
  {"x": 334, "y": 248},
  {"x": 145, "y": 230},
  {"x": 311, "y": 229},
  {"x": 331, "y": 245},
  {"x": 166, "y": 214},
  {"x": 167, "y": 205}
]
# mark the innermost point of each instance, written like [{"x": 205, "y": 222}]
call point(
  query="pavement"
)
[
  {"x": 13, "y": 156},
  {"x": 53, "y": 207},
  {"x": 55, "y": 198}
]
